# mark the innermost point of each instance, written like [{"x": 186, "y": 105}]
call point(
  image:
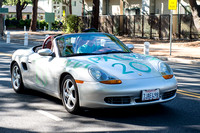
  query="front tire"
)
[
  {"x": 16, "y": 78},
  {"x": 69, "y": 94}
]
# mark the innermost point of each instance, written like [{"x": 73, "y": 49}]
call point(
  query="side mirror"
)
[
  {"x": 45, "y": 52},
  {"x": 130, "y": 46}
]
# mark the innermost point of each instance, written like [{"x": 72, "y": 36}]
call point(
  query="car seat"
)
[{"x": 48, "y": 42}]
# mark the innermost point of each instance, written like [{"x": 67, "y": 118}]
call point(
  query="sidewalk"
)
[
  {"x": 182, "y": 51},
  {"x": 32, "y": 36}
]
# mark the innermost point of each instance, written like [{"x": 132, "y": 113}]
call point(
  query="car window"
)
[
  {"x": 89, "y": 44},
  {"x": 66, "y": 45}
]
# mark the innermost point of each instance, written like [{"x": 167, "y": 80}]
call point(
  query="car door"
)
[{"x": 41, "y": 75}]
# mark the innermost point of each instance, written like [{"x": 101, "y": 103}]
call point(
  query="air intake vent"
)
[
  {"x": 24, "y": 66},
  {"x": 118, "y": 100},
  {"x": 169, "y": 94}
]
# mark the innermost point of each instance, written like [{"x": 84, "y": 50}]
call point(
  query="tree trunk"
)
[
  {"x": 70, "y": 7},
  {"x": 195, "y": 13},
  {"x": 33, "y": 25},
  {"x": 83, "y": 8},
  {"x": 95, "y": 14},
  {"x": 19, "y": 9},
  {"x": 1, "y": 20}
]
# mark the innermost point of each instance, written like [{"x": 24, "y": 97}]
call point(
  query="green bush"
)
[
  {"x": 13, "y": 19},
  {"x": 21, "y": 23},
  {"x": 27, "y": 23},
  {"x": 56, "y": 25},
  {"x": 13, "y": 22},
  {"x": 42, "y": 23},
  {"x": 7, "y": 22},
  {"x": 72, "y": 24}
]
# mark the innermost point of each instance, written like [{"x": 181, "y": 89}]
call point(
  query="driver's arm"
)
[{"x": 82, "y": 49}]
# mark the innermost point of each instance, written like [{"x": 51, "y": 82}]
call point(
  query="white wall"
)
[
  {"x": 88, "y": 5},
  {"x": 114, "y": 8},
  {"x": 46, "y": 5},
  {"x": 77, "y": 10},
  {"x": 158, "y": 6},
  {"x": 145, "y": 7}
]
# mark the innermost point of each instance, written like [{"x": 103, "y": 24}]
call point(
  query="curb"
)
[
  {"x": 34, "y": 43},
  {"x": 21, "y": 42}
]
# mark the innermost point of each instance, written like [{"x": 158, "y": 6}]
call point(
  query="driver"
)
[{"x": 90, "y": 46}]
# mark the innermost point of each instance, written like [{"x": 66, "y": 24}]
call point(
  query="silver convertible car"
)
[{"x": 93, "y": 70}]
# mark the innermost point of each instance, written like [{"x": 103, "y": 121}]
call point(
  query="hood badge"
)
[{"x": 140, "y": 74}]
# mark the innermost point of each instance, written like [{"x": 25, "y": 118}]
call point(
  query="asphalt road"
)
[{"x": 38, "y": 112}]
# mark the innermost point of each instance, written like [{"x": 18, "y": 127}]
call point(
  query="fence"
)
[{"x": 147, "y": 26}]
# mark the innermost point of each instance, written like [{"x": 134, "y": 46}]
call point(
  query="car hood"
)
[{"x": 121, "y": 65}]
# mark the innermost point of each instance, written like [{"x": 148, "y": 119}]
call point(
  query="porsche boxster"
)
[{"x": 93, "y": 70}]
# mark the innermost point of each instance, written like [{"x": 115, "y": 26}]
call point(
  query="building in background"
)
[
  {"x": 60, "y": 9},
  {"x": 107, "y": 7},
  {"x": 26, "y": 13},
  {"x": 137, "y": 7}
]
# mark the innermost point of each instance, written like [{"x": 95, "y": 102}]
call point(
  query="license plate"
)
[{"x": 149, "y": 95}]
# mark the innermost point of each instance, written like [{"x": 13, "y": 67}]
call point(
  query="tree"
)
[
  {"x": 33, "y": 25},
  {"x": 95, "y": 14},
  {"x": 83, "y": 7},
  {"x": 195, "y": 13},
  {"x": 19, "y": 8},
  {"x": 70, "y": 6},
  {"x": 20, "y": 5}
]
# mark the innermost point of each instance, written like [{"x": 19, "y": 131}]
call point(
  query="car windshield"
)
[{"x": 89, "y": 43}]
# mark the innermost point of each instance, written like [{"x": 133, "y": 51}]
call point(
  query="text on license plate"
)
[{"x": 148, "y": 95}]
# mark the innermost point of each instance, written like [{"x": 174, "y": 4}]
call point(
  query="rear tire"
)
[
  {"x": 16, "y": 78},
  {"x": 69, "y": 94}
]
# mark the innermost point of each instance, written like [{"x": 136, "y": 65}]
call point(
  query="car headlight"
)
[
  {"x": 165, "y": 70},
  {"x": 102, "y": 77}
]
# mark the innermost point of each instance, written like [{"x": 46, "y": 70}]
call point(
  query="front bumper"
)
[{"x": 98, "y": 95}]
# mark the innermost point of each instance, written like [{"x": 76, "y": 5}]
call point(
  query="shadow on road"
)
[
  {"x": 177, "y": 115},
  {"x": 13, "y": 130}
]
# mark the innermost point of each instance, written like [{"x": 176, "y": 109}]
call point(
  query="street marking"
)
[
  {"x": 194, "y": 84},
  {"x": 187, "y": 93},
  {"x": 5, "y": 54},
  {"x": 183, "y": 70},
  {"x": 49, "y": 115},
  {"x": 5, "y": 79}
]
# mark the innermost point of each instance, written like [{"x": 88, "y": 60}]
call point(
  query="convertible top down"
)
[{"x": 94, "y": 70}]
